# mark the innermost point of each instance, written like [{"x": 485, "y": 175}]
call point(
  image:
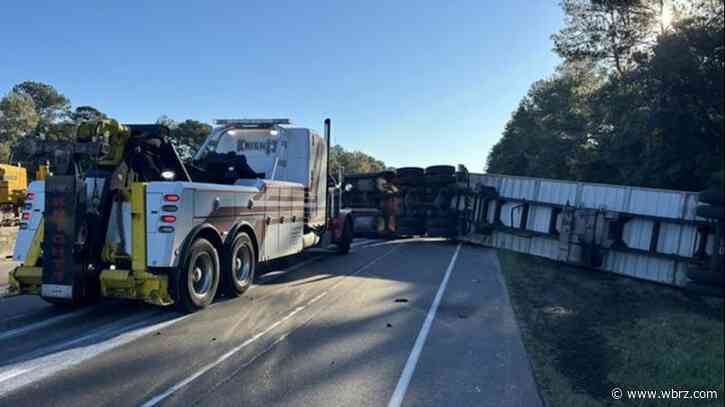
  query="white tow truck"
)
[{"x": 124, "y": 217}]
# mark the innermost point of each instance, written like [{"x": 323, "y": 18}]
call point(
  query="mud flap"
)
[{"x": 63, "y": 241}]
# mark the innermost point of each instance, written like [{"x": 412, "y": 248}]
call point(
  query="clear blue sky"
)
[{"x": 410, "y": 82}]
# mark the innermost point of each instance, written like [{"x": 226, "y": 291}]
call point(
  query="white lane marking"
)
[
  {"x": 407, "y": 374},
  {"x": 42, "y": 324},
  {"x": 17, "y": 375},
  {"x": 173, "y": 389},
  {"x": 420, "y": 239}
]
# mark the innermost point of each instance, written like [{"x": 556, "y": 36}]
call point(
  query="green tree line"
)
[
  {"x": 353, "y": 162},
  {"x": 638, "y": 99}
]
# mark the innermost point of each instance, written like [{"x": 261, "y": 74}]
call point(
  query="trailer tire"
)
[
  {"x": 198, "y": 277},
  {"x": 440, "y": 170},
  {"x": 409, "y": 172},
  {"x": 239, "y": 266},
  {"x": 412, "y": 180}
]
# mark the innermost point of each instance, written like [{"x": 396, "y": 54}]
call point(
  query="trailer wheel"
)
[
  {"x": 414, "y": 180},
  {"x": 239, "y": 266},
  {"x": 440, "y": 170},
  {"x": 198, "y": 277},
  {"x": 411, "y": 172}
]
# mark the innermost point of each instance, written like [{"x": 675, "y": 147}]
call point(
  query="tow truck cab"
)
[{"x": 255, "y": 191}]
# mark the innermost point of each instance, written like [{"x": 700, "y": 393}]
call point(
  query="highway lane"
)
[{"x": 318, "y": 330}]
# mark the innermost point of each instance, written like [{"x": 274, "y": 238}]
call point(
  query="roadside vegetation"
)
[
  {"x": 637, "y": 101},
  {"x": 587, "y": 332}
]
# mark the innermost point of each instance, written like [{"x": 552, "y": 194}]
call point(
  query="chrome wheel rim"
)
[
  {"x": 242, "y": 264},
  {"x": 201, "y": 276}
]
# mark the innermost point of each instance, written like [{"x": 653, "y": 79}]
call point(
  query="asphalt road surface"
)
[{"x": 411, "y": 322}]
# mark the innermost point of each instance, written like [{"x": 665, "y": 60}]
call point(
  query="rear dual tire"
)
[
  {"x": 198, "y": 278},
  {"x": 239, "y": 266},
  {"x": 202, "y": 274}
]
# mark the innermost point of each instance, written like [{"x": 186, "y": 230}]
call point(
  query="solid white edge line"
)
[
  {"x": 173, "y": 389},
  {"x": 402, "y": 387}
]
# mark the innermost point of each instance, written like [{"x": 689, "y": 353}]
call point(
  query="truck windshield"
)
[{"x": 237, "y": 141}]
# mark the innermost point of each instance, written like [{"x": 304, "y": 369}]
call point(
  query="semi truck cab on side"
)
[{"x": 141, "y": 224}]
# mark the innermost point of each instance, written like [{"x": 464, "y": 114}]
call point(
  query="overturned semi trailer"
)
[
  {"x": 671, "y": 237},
  {"x": 410, "y": 201}
]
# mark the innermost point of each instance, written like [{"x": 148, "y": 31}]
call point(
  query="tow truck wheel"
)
[
  {"x": 199, "y": 277},
  {"x": 239, "y": 266}
]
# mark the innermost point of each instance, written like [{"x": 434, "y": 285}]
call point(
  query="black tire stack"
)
[
  {"x": 411, "y": 218},
  {"x": 707, "y": 278},
  {"x": 440, "y": 185}
]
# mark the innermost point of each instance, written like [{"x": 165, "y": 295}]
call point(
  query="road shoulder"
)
[{"x": 475, "y": 354}]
